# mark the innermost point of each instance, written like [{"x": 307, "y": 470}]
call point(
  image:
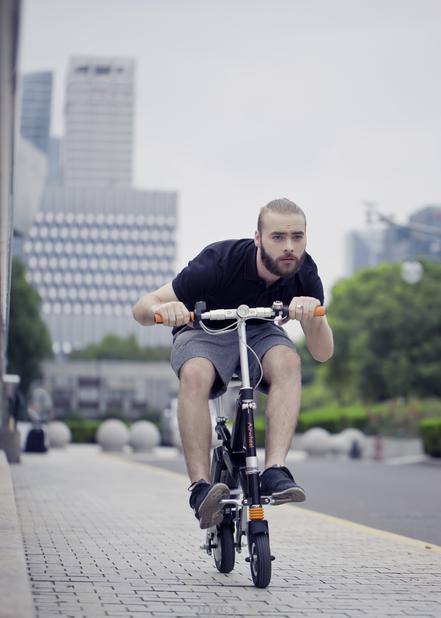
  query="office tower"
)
[
  {"x": 36, "y": 109},
  {"x": 420, "y": 238},
  {"x": 362, "y": 249},
  {"x": 55, "y": 161},
  {"x": 99, "y": 109},
  {"x": 92, "y": 253}
]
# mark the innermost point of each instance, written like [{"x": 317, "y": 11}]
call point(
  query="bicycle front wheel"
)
[{"x": 260, "y": 560}]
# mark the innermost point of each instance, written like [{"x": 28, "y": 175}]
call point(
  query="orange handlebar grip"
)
[
  {"x": 159, "y": 319},
  {"x": 319, "y": 311}
]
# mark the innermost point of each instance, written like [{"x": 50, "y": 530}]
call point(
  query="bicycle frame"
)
[
  {"x": 234, "y": 462},
  {"x": 237, "y": 455}
]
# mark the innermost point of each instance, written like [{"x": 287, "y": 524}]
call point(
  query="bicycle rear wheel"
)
[
  {"x": 260, "y": 560},
  {"x": 224, "y": 551}
]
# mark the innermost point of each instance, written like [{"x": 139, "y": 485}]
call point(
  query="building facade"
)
[
  {"x": 420, "y": 238},
  {"x": 99, "y": 114},
  {"x": 36, "y": 101},
  {"x": 94, "y": 389},
  {"x": 91, "y": 254}
]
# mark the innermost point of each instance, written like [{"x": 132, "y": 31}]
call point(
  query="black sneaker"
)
[
  {"x": 205, "y": 500},
  {"x": 279, "y": 483}
]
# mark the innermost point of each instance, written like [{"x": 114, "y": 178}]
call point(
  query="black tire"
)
[
  {"x": 224, "y": 552},
  {"x": 260, "y": 560}
]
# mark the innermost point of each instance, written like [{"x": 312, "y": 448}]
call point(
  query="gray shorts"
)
[{"x": 223, "y": 351}]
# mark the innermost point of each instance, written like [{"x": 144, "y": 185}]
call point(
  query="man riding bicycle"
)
[{"x": 273, "y": 266}]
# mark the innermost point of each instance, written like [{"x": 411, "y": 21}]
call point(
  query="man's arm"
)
[
  {"x": 318, "y": 333},
  {"x": 163, "y": 301}
]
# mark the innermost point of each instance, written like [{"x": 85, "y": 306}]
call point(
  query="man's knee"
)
[
  {"x": 197, "y": 376},
  {"x": 281, "y": 363}
]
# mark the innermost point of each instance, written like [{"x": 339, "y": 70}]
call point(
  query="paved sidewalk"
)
[{"x": 108, "y": 537}]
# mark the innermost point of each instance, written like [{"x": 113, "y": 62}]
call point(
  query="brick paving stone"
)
[{"x": 104, "y": 537}]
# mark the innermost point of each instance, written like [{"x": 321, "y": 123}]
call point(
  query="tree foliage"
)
[
  {"x": 29, "y": 342},
  {"x": 387, "y": 335},
  {"x": 112, "y": 347}
]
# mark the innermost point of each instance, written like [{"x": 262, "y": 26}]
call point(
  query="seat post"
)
[{"x": 218, "y": 404}]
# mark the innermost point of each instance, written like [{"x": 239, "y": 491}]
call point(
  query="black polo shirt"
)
[{"x": 224, "y": 275}]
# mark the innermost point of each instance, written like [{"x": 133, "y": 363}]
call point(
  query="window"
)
[{"x": 101, "y": 69}]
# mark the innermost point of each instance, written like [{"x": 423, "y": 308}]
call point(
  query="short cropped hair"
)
[{"x": 281, "y": 205}]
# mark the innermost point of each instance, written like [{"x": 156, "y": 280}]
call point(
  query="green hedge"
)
[
  {"x": 259, "y": 428},
  {"x": 430, "y": 430},
  {"x": 334, "y": 419},
  {"x": 402, "y": 418},
  {"x": 83, "y": 430}
]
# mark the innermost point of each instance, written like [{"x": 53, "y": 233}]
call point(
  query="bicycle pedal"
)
[{"x": 208, "y": 547}]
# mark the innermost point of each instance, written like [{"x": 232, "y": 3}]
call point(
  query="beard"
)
[{"x": 274, "y": 266}]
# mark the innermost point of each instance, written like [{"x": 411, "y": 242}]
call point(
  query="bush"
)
[
  {"x": 401, "y": 418},
  {"x": 83, "y": 430},
  {"x": 430, "y": 430},
  {"x": 333, "y": 418},
  {"x": 259, "y": 428}
]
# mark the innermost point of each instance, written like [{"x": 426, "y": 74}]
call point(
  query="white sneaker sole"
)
[
  {"x": 211, "y": 511},
  {"x": 292, "y": 494}
]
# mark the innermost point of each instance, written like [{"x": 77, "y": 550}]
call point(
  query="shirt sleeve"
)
[
  {"x": 315, "y": 288},
  {"x": 311, "y": 283},
  {"x": 199, "y": 279}
]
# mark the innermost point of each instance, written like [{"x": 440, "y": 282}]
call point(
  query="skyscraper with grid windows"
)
[
  {"x": 97, "y": 243},
  {"x": 99, "y": 115},
  {"x": 35, "y": 113},
  {"x": 90, "y": 255}
]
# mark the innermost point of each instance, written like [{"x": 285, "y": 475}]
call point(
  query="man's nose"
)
[{"x": 289, "y": 246}]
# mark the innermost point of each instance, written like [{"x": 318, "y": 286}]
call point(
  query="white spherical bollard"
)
[
  {"x": 176, "y": 437},
  {"x": 58, "y": 434},
  {"x": 112, "y": 435},
  {"x": 340, "y": 444},
  {"x": 177, "y": 442},
  {"x": 144, "y": 436},
  {"x": 316, "y": 441}
]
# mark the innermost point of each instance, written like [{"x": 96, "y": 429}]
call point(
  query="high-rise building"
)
[
  {"x": 36, "y": 102},
  {"x": 55, "y": 161},
  {"x": 362, "y": 249},
  {"x": 97, "y": 244},
  {"x": 99, "y": 114},
  {"x": 420, "y": 238},
  {"x": 91, "y": 254}
]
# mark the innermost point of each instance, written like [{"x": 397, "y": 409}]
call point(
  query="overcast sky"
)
[{"x": 326, "y": 102}]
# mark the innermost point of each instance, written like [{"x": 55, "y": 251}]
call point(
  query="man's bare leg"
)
[
  {"x": 196, "y": 379},
  {"x": 281, "y": 366}
]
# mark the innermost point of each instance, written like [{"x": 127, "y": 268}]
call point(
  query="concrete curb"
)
[{"x": 15, "y": 589}]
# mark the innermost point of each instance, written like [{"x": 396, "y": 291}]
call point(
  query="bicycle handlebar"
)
[{"x": 243, "y": 312}]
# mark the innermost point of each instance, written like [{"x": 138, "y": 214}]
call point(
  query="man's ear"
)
[{"x": 257, "y": 238}]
